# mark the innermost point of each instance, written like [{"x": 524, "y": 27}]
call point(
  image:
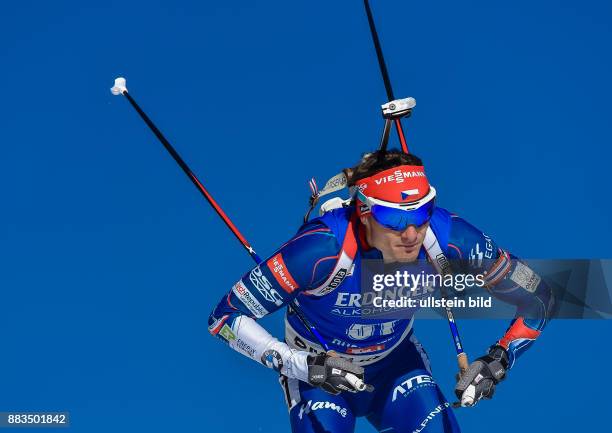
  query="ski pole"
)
[
  {"x": 120, "y": 89},
  {"x": 384, "y": 72},
  {"x": 462, "y": 359}
]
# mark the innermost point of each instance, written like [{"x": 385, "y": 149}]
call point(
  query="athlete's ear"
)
[{"x": 365, "y": 220}]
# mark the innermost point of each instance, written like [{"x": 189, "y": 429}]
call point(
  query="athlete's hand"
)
[
  {"x": 481, "y": 377},
  {"x": 334, "y": 374}
]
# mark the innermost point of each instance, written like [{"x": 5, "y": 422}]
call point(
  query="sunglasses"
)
[{"x": 399, "y": 216}]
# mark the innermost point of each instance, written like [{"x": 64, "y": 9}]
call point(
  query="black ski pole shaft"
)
[
  {"x": 120, "y": 88},
  {"x": 379, "y": 52},
  {"x": 384, "y": 72},
  {"x": 193, "y": 177}
]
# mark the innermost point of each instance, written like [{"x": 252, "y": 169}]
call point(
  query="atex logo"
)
[
  {"x": 409, "y": 385},
  {"x": 262, "y": 284}
]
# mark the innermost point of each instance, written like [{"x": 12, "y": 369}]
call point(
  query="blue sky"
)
[{"x": 111, "y": 260}]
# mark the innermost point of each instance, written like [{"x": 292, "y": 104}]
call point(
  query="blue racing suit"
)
[{"x": 319, "y": 269}]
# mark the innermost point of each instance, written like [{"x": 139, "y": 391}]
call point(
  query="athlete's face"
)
[{"x": 395, "y": 246}]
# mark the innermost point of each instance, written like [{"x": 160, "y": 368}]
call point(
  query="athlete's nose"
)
[{"x": 409, "y": 235}]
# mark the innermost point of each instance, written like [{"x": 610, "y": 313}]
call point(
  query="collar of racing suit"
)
[{"x": 361, "y": 237}]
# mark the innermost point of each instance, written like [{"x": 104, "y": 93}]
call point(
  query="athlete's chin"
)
[{"x": 405, "y": 255}]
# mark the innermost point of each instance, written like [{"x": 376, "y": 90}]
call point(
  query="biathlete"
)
[{"x": 392, "y": 217}]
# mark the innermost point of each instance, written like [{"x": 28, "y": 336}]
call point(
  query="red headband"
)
[{"x": 403, "y": 184}]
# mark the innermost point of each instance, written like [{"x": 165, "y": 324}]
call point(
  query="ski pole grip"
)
[
  {"x": 357, "y": 383},
  {"x": 462, "y": 360}
]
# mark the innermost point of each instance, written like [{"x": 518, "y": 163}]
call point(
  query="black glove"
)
[
  {"x": 334, "y": 374},
  {"x": 481, "y": 377}
]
